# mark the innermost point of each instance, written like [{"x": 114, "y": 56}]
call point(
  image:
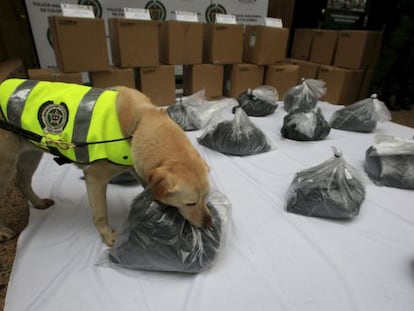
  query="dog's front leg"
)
[{"x": 97, "y": 176}]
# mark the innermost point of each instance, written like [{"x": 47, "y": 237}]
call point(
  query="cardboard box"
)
[
  {"x": 12, "y": 68},
  {"x": 79, "y": 43},
  {"x": 282, "y": 77},
  {"x": 246, "y": 12},
  {"x": 307, "y": 70},
  {"x": 55, "y": 75},
  {"x": 264, "y": 45},
  {"x": 241, "y": 77},
  {"x": 134, "y": 43},
  {"x": 113, "y": 77},
  {"x": 343, "y": 85},
  {"x": 323, "y": 46},
  {"x": 302, "y": 43},
  {"x": 158, "y": 83},
  {"x": 181, "y": 43},
  {"x": 357, "y": 49},
  {"x": 204, "y": 76},
  {"x": 223, "y": 43}
]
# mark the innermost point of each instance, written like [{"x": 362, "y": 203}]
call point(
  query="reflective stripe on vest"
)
[
  {"x": 82, "y": 122},
  {"x": 17, "y": 101},
  {"x": 66, "y": 114}
]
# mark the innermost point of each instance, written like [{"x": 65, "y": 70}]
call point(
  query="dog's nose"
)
[{"x": 207, "y": 221}]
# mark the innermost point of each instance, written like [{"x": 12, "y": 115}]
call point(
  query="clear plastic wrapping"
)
[
  {"x": 305, "y": 125},
  {"x": 390, "y": 162},
  {"x": 332, "y": 189},
  {"x": 259, "y": 102},
  {"x": 239, "y": 137},
  {"x": 361, "y": 116},
  {"x": 185, "y": 112},
  {"x": 195, "y": 112},
  {"x": 304, "y": 96},
  {"x": 156, "y": 237}
]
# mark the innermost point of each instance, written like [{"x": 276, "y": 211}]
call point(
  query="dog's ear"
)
[{"x": 162, "y": 182}]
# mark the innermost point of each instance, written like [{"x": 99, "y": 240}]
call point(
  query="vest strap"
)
[{"x": 19, "y": 131}]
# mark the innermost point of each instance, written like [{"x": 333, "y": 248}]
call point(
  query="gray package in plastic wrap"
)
[
  {"x": 390, "y": 162},
  {"x": 305, "y": 125},
  {"x": 332, "y": 189},
  {"x": 361, "y": 116},
  {"x": 259, "y": 102},
  {"x": 186, "y": 112},
  {"x": 304, "y": 96},
  {"x": 157, "y": 238},
  {"x": 239, "y": 137},
  {"x": 196, "y": 112}
]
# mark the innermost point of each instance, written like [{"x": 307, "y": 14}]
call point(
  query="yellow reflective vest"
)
[{"x": 77, "y": 122}]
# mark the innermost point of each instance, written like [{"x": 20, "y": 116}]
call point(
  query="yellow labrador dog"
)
[{"x": 105, "y": 132}]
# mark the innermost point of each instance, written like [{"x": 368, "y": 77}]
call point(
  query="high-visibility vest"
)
[{"x": 77, "y": 122}]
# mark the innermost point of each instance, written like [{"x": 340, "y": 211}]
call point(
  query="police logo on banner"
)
[
  {"x": 53, "y": 117},
  {"x": 157, "y": 10},
  {"x": 212, "y": 10}
]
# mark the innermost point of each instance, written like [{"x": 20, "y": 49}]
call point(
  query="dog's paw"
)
[
  {"x": 44, "y": 204},
  {"x": 6, "y": 233},
  {"x": 109, "y": 238}
]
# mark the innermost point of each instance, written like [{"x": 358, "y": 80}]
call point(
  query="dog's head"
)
[{"x": 185, "y": 189}]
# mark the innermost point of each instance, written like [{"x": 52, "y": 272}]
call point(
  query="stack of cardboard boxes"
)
[
  {"x": 344, "y": 59},
  {"x": 223, "y": 59}
]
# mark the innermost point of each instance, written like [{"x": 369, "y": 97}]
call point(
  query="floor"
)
[{"x": 14, "y": 211}]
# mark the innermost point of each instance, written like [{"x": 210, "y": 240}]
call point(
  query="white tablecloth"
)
[{"x": 272, "y": 260}]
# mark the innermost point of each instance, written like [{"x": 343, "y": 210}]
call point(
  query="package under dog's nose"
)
[{"x": 156, "y": 237}]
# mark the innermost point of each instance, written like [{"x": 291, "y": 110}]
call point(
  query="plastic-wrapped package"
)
[
  {"x": 124, "y": 178},
  {"x": 239, "y": 137},
  {"x": 195, "y": 112},
  {"x": 186, "y": 112},
  {"x": 305, "y": 125},
  {"x": 260, "y": 101},
  {"x": 156, "y": 237},
  {"x": 361, "y": 116},
  {"x": 390, "y": 162},
  {"x": 332, "y": 189},
  {"x": 304, "y": 96}
]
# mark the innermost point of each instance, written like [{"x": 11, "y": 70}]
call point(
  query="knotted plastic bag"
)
[
  {"x": 259, "y": 102},
  {"x": 361, "y": 116},
  {"x": 186, "y": 112},
  {"x": 239, "y": 137},
  {"x": 195, "y": 112},
  {"x": 304, "y": 96},
  {"x": 332, "y": 189},
  {"x": 390, "y": 162},
  {"x": 305, "y": 125},
  {"x": 156, "y": 237}
]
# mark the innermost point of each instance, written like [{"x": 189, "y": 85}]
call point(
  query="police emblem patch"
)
[{"x": 53, "y": 117}]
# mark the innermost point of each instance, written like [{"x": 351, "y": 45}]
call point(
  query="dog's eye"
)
[{"x": 191, "y": 204}]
